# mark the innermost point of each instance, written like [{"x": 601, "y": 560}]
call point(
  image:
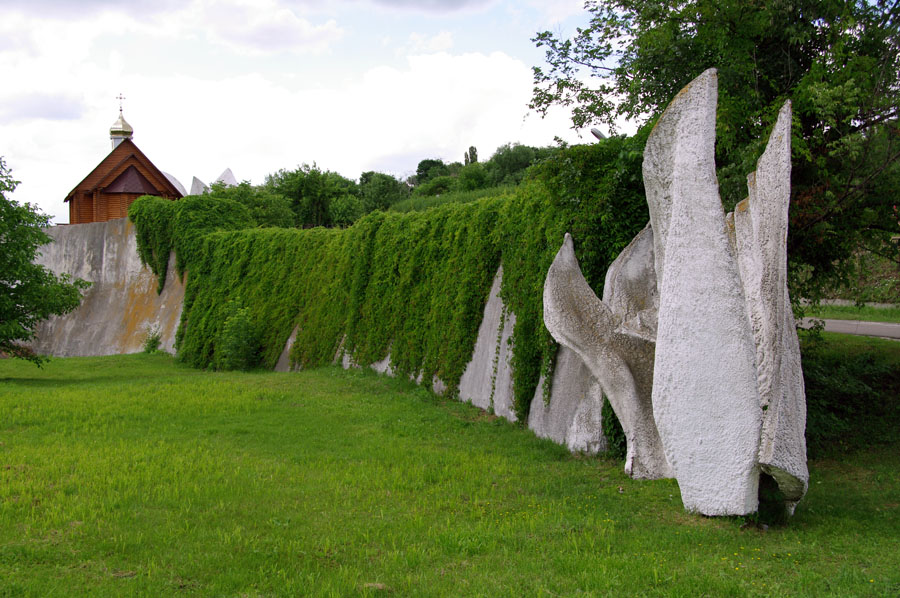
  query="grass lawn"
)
[
  {"x": 132, "y": 475},
  {"x": 851, "y": 312}
]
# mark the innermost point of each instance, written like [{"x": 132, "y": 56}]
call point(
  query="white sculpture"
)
[
  {"x": 617, "y": 349},
  {"x": 198, "y": 187},
  {"x": 709, "y": 293}
]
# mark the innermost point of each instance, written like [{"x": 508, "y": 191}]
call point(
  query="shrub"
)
[
  {"x": 436, "y": 186},
  {"x": 152, "y": 340},
  {"x": 237, "y": 347},
  {"x": 851, "y": 393},
  {"x": 472, "y": 176}
]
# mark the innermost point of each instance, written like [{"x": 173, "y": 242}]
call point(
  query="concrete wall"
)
[{"x": 122, "y": 302}]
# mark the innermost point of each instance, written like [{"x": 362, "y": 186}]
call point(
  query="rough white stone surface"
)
[
  {"x": 573, "y": 415},
  {"x": 630, "y": 287},
  {"x": 760, "y": 236},
  {"x": 620, "y": 359},
  {"x": 487, "y": 379},
  {"x": 227, "y": 177},
  {"x": 121, "y": 304},
  {"x": 198, "y": 187},
  {"x": 176, "y": 183},
  {"x": 705, "y": 399}
]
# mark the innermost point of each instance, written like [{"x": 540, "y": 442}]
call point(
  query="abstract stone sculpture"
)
[
  {"x": 698, "y": 303},
  {"x": 618, "y": 352}
]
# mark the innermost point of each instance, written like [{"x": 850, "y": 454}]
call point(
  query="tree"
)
[
  {"x": 29, "y": 292},
  {"x": 510, "y": 161},
  {"x": 430, "y": 168},
  {"x": 345, "y": 209},
  {"x": 380, "y": 191},
  {"x": 839, "y": 63},
  {"x": 471, "y": 177},
  {"x": 310, "y": 191},
  {"x": 268, "y": 209}
]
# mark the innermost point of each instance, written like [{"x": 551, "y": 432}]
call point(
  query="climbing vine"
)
[{"x": 412, "y": 285}]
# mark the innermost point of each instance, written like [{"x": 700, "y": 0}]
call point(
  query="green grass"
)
[
  {"x": 134, "y": 476},
  {"x": 852, "y": 312}
]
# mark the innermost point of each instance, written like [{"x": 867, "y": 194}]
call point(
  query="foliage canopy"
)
[{"x": 839, "y": 63}]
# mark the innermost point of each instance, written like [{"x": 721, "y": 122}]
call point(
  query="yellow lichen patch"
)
[
  {"x": 743, "y": 206},
  {"x": 141, "y": 308}
]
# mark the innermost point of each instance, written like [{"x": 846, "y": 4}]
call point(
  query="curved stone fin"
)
[
  {"x": 761, "y": 227},
  {"x": 577, "y": 319},
  {"x": 705, "y": 402},
  {"x": 630, "y": 286}
]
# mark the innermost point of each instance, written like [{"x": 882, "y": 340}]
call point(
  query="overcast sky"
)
[{"x": 259, "y": 85}]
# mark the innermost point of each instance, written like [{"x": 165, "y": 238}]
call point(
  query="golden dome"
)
[{"x": 121, "y": 128}]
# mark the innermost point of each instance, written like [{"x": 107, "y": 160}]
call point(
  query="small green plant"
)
[{"x": 152, "y": 340}]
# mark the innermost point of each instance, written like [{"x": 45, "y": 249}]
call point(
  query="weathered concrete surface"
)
[
  {"x": 198, "y": 187},
  {"x": 760, "y": 236},
  {"x": 619, "y": 357},
  {"x": 487, "y": 379},
  {"x": 705, "y": 399},
  {"x": 573, "y": 415},
  {"x": 121, "y": 304}
]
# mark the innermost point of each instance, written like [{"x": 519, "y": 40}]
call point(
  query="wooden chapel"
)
[{"x": 121, "y": 177}]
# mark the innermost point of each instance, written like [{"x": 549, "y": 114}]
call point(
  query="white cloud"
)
[
  {"x": 438, "y": 105},
  {"x": 262, "y": 27},
  {"x": 32, "y": 105},
  {"x": 555, "y": 11},
  {"x": 434, "y": 5},
  {"x": 419, "y": 43}
]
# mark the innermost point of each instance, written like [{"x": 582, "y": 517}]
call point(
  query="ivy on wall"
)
[{"x": 410, "y": 284}]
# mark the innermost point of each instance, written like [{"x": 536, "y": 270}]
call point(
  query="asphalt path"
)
[{"x": 882, "y": 329}]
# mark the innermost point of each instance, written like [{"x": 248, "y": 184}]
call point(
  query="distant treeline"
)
[{"x": 309, "y": 196}]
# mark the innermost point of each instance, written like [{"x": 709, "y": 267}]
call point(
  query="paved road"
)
[{"x": 882, "y": 329}]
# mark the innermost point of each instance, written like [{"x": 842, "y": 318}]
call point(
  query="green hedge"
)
[{"x": 412, "y": 284}]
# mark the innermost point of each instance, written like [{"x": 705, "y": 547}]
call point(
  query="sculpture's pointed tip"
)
[{"x": 785, "y": 113}]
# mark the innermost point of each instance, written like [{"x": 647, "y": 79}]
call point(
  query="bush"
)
[
  {"x": 238, "y": 346},
  {"x": 852, "y": 387},
  {"x": 152, "y": 340},
  {"x": 471, "y": 177},
  {"x": 436, "y": 186}
]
